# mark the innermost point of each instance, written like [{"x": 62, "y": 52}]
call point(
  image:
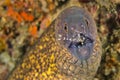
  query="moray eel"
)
[{"x": 69, "y": 49}]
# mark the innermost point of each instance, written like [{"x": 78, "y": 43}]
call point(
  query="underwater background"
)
[{"x": 23, "y": 21}]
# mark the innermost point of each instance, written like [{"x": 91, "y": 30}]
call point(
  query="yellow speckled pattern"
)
[
  {"x": 48, "y": 60},
  {"x": 40, "y": 63}
]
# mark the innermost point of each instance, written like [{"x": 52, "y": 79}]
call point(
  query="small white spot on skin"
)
[
  {"x": 70, "y": 39},
  {"x": 59, "y": 38},
  {"x": 83, "y": 38},
  {"x": 79, "y": 35},
  {"x": 60, "y": 35},
  {"x": 82, "y": 25},
  {"x": 67, "y": 38},
  {"x": 64, "y": 38},
  {"x": 72, "y": 28},
  {"x": 82, "y": 43}
]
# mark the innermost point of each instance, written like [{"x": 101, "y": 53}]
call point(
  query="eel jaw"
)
[{"x": 81, "y": 47}]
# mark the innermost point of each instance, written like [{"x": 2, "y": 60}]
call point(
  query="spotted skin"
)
[{"x": 53, "y": 56}]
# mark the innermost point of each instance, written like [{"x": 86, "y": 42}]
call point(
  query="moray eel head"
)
[{"x": 75, "y": 31}]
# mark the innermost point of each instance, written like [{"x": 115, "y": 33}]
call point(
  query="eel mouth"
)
[
  {"x": 80, "y": 41},
  {"x": 81, "y": 46}
]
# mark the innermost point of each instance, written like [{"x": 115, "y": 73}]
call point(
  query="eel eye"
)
[
  {"x": 66, "y": 27},
  {"x": 87, "y": 22}
]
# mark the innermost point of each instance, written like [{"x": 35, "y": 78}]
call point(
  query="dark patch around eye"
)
[
  {"x": 66, "y": 27},
  {"x": 87, "y": 22}
]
